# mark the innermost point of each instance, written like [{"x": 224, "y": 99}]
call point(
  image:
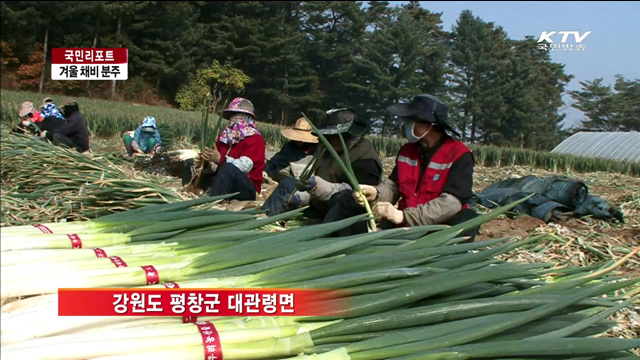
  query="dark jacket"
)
[
  {"x": 289, "y": 153},
  {"x": 75, "y": 129}
]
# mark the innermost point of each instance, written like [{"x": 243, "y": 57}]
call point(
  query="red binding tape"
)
[
  {"x": 117, "y": 261},
  {"x": 43, "y": 228},
  {"x": 152, "y": 275},
  {"x": 185, "y": 319},
  {"x": 210, "y": 341},
  {"x": 100, "y": 253},
  {"x": 171, "y": 285},
  {"x": 76, "y": 243}
]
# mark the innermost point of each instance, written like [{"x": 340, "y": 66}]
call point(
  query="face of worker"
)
[
  {"x": 334, "y": 140},
  {"x": 27, "y": 118},
  {"x": 299, "y": 144},
  {"x": 421, "y": 128}
]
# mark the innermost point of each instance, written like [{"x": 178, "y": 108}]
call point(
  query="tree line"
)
[{"x": 293, "y": 57}]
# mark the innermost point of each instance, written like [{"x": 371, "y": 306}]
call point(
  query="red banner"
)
[
  {"x": 78, "y": 56},
  {"x": 200, "y": 302},
  {"x": 185, "y": 319}
]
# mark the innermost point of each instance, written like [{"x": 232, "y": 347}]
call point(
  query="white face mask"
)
[{"x": 409, "y": 126}]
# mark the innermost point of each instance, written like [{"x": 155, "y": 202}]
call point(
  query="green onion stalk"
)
[
  {"x": 346, "y": 169},
  {"x": 141, "y": 214}
]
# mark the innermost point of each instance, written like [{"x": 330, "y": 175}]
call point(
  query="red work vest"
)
[{"x": 435, "y": 176}]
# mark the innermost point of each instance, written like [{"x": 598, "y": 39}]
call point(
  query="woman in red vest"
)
[
  {"x": 239, "y": 156},
  {"x": 433, "y": 177}
]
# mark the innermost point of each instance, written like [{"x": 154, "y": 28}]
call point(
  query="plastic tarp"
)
[{"x": 553, "y": 197}]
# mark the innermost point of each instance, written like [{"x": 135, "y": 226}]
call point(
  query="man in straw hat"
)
[
  {"x": 301, "y": 145},
  {"x": 326, "y": 190},
  {"x": 433, "y": 177}
]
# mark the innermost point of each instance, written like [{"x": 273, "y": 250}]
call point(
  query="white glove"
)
[
  {"x": 370, "y": 192},
  {"x": 387, "y": 211},
  {"x": 244, "y": 163}
]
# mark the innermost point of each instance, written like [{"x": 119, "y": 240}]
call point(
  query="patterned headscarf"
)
[
  {"x": 149, "y": 124},
  {"x": 51, "y": 110},
  {"x": 240, "y": 126}
]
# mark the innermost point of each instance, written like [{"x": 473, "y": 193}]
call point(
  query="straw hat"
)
[
  {"x": 25, "y": 108},
  {"x": 301, "y": 131}
]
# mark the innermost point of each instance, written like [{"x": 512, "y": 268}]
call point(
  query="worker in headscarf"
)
[
  {"x": 145, "y": 139},
  {"x": 238, "y": 159}
]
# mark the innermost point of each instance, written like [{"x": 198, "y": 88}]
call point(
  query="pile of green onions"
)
[{"x": 413, "y": 293}]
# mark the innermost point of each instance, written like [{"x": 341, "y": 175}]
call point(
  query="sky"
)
[{"x": 612, "y": 47}]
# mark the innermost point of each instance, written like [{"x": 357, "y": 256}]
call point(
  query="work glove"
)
[
  {"x": 299, "y": 199},
  {"x": 369, "y": 192},
  {"x": 385, "y": 210},
  {"x": 306, "y": 185}
]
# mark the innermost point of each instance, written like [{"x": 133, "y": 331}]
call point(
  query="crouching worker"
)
[
  {"x": 73, "y": 132},
  {"x": 145, "y": 139},
  {"x": 237, "y": 162},
  {"x": 432, "y": 179},
  {"x": 302, "y": 144},
  {"x": 325, "y": 191},
  {"x": 35, "y": 122}
]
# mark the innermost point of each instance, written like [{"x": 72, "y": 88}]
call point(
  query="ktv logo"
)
[{"x": 545, "y": 41}]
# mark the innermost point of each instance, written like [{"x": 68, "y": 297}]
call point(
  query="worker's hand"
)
[
  {"x": 369, "y": 192},
  {"x": 210, "y": 154},
  {"x": 306, "y": 185},
  {"x": 294, "y": 201},
  {"x": 387, "y": 211},
  {"x": 43, "y": 133}
]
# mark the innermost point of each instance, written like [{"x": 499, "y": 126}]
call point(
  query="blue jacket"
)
[{"x": 142, "y": 138}]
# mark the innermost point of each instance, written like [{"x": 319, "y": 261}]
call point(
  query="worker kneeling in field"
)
[
  {"x": 433, "y": 176},
  {"x": 326, "y": 190},
  {"x": 145, "y": 139},
  {"x": 73, "y": 132},
  {"x": 35, "y": 122},
  {"x": 302, "y": 144},
  {"x": 236, "y": 163}
]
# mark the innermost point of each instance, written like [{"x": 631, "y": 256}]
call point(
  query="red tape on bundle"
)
[
  {"x": 100, "y": 253},
  {"x": 185, "y": 319},
  {"x": 76, "y": 243},
  {"x": 117, "y": 261},
  {"x": 210, "y": 340},
  {"x": 43, "y": 228},
  {"x": 152, "y": 275}
]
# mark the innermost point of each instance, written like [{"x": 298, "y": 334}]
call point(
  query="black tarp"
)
[{"x": 553, "y": 197}]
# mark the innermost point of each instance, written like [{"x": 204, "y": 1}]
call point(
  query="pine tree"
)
[
  {"x": 596, "y": 101},
  {"x": 627, "y": 103},
  {"x": 469, "y": 66}
]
